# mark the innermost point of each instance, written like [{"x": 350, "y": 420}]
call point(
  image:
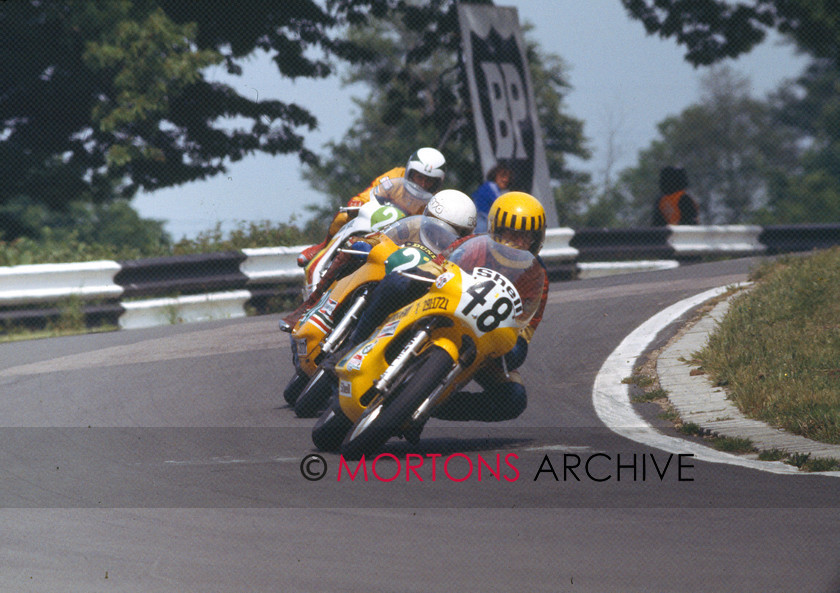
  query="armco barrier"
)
[
  {"x": 558, "y": 254},
  {"x": 189, "y": 274},
  {"x": 272, "y": 265},
  {"x": 24, "y": 285},
  {"x": 224, "y": 285},
  {"x": 605, "y": 245},
  {"x": 791, "y": 238},
  {"x": 704, "y": 241},
  {"x": 186, "y": 309},
  {"x": 600, "y": 269}
]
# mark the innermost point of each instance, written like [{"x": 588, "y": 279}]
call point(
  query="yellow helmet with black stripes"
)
[{"x": 517, "y": 219}]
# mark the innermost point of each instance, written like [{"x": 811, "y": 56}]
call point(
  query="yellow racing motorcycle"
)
[
  {"x": 324, "y": 328},
  {"x": 389, "y": 384}
]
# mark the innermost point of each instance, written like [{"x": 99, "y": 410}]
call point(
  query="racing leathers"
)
[{"x": 340, "y": 219}]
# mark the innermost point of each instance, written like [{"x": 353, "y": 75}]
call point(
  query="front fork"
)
[
  {"x": 396, "y": 369},
  {"x": 465, "y": 359},
  {"x": 339, "y": 334},
  {"x": 409, "y": 351}
]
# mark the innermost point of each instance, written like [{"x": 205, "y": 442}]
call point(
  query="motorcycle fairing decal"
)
[
  {"x": 329, "y": 307},
  {"x": 441, "y": 280},
  {"x": 355, "y": 362},
  {"x": 322, "y": 316},
  {"x": 489, "y": 300},
  {"x": 309, "y": 314},
  {"x": 384, "y": 216},
  {"x": 389, "y": 329},
  {"x": 409, "y": 256},
  {"x": 438, "y": 302},
  {"x": 400, "y": 313},
  {"x": 321, "y": 321},
  {"x": 508, "y": 286},
  {"x": 421, "y": 247},
  {"x": 345, "y": 388}
]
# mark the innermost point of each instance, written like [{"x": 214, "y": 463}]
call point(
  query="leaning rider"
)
[
  {"x": 452, "y": 207},
  {"x": 518, "y": 220},
  {"x": 426, "y": 167}
]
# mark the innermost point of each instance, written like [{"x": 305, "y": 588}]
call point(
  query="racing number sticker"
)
[
  {"x": 383, "y": 217},
  {"x": 490, "y": 300},
  {"x": 405, "y": 259}
]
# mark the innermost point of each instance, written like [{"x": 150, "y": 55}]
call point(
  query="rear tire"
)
[
  {"x": 331, "y": 428},
  {"x": 315, "y": 394},
  {"x": 382, "y": 421}
]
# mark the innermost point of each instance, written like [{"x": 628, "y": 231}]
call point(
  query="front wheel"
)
[
  {"x": 295, "y": 386},
  {"x": 384, "y": 419},
  {"x": 315, "y": 394},
  {"x": 331, "y": 429}
]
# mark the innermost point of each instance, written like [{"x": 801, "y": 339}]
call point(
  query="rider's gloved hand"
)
[
  {"x": 361, "y": 246},
  {"x": 517, "y": 355}
]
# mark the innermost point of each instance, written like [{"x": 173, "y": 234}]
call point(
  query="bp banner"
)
[{"x": 502, "y": 98}]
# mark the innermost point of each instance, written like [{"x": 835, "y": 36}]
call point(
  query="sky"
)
[{"x": 623, "y": 84}]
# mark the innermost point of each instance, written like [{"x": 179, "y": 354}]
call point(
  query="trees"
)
[
  {"x": 771, "y": 161},
  {"x": 100, "y": 99},
  {"x": 416, "y": 99},
  {"x": 807, "y": 188},
  {"x": 715, "y": 29},
  {"x": 809, "y": 192}
]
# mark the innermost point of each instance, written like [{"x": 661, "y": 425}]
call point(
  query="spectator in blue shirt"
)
[{"x": 499, "y": 180}]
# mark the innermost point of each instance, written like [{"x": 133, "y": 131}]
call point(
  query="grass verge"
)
[{"x": 777, "y": 351}]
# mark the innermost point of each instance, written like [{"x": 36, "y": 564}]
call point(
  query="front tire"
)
[
  {"x": 295, "y": 386},
  {"x": 382, "y": 420},
  {"x": 315, "y": 395},
  {"x": 331, "y": 428}
]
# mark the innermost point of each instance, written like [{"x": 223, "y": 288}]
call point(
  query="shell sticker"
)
[{"x": 344, "y": 389}]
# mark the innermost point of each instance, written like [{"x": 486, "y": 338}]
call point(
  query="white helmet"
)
[
  {"x": 426, "y": 168},
  {"x": 455, "y": 208}
]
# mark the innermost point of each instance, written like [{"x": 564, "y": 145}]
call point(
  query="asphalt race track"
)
[{"x": 162, "y": 460}]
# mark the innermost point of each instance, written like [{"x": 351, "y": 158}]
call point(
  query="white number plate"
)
[{"x": 488, "y": 301}]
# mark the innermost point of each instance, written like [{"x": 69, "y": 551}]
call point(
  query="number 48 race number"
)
[{"x": 489, "y": 301}]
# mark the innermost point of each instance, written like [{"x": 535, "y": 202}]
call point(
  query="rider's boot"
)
[
  {"x": 338, "y": 268},
  {"x": 308, "y": 254},
  {"x": 503, "y": 402}
]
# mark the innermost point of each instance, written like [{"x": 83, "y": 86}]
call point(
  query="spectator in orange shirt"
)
[{"x": 675, "y": 205}]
